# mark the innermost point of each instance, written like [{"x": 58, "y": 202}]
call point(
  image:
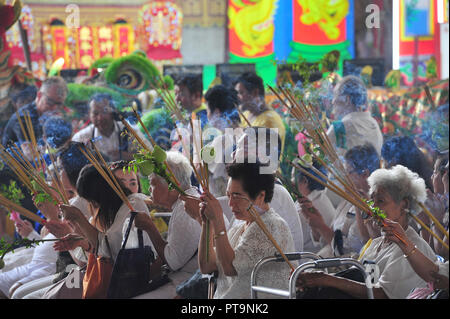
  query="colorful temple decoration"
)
[
  {"x": 160, "y": 30},
  {"x": 321, "y": 26},
  {"x": 123, "y": 39},
  {"x": 86, "y": 46},
  {"x": 251, "y": 35},
  {"x": 82, "y": 46},
  {"x": 416, "y": 40}
]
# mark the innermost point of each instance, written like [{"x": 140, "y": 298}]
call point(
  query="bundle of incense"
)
[
  {"x": 28, "y": 134},
  {"x": 21, "y": 210},
  {"x": 314, "y": 128},
  {"x": 203, "y": 176},
  {"x": 56, "y": 179},
  {"x": 357, "y": 201},
  {"x": 353, "y": 192},
  {"x": 168, "y": 99},
  {"x": 39, "y": 162},
  {"x": 106, "y": 173},
  {"x": 29, "y": 176},
  {"x": 417, "y": 219},
  {"x": 434, "y": 219}
]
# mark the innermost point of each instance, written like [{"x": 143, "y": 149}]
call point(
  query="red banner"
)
[
  {"x": 105, "y": 41},
  {"x": 86, "y": 46},
  {"x": 59, "y": 44},
  {"x": 123, "y": 40}
]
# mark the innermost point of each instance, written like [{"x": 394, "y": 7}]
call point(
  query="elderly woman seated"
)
[
  {"x": 235, "y": 252},
  {"x": 180, "y": 249},
  {"x": 397, "y": 192}
]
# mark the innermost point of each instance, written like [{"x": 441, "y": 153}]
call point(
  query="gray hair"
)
[
  {"x": 180, "y": 167},
  {"x": 57, "y": 81},
  {"x": 400, "y": 183},
  {"x": 353, "y": 87}
]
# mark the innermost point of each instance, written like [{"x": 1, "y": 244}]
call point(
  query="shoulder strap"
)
[{"x": 127, "y": 233}]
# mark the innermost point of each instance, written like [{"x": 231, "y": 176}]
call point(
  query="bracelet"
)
[
  {"x": 411, "y": 252},
  {"x": 219, "y": 234}
]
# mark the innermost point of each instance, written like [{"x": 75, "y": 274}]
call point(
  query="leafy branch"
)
[{"x": 147, "y": 162}]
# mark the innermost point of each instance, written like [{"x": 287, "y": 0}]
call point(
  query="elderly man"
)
[
  {"x": 179, "y": 251},
  {"x": 353, "y": 125},
  {"x": 107, "y": 133},
  {"x": 50, "y": 98}
]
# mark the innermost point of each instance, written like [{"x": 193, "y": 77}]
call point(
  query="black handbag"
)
[{"x": 131, "y": 272}]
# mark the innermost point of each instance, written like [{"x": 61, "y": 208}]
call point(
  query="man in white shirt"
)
[
  {"x": 105, "y": 132},
  {"x": 179, "y": 251},
  {"x": 353, "y": 125}
]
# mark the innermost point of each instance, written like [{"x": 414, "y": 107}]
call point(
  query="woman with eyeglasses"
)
[{"x": 235, "y": 252}]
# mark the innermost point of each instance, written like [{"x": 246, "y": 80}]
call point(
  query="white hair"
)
[
  {"x": 180, "y": 167},
  {"x": 400, "y": 183}
]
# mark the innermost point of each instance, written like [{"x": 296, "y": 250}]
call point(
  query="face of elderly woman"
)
[
  {"x": 158, "y": 191},
  {"x": 393, "y": 210},
  {"x": 238, "y": 200}
]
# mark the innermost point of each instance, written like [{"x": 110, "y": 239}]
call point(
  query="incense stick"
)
[
  {"x": 417, "y": 219},
  {"x": 17, "y": 208}
]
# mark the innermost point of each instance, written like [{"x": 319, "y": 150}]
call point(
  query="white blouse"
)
[
  {"x": 396, "y": 275},
  {"x": 116, "y": 231},
  {"x": 251, "y": 245}
]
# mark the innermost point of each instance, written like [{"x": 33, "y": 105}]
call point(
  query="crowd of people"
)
[{"x": 212, "y": 233}]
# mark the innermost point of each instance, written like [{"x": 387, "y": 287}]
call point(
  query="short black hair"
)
[
  {"x": 362, "y": 158},
  {"x": 92, "y": 186},
  {"x": 73, "y": 160},
  {"x": 57, "y": 131},
  {"x": 251, "y": 81},
  {"x": 252, "y": 181},
  {"x": 225, "y": 100},
  {"x": 193, "y": 82},
  {"x": 402, "y": 150},
  {"x": 312, "y": 183}
]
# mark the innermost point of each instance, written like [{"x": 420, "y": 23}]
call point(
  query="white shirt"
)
[
  {"x": 284, "y": 205},
  {"x": 108, "y": 145},
  {"x": 397, "y": 277},
  {"x": 115, "y": 232},
  {"x": 183, "y": 236},
  {"x": 250, "y": 246},
  {"x": 360, "y": 128},
  {"x": 321, "y": 202}
]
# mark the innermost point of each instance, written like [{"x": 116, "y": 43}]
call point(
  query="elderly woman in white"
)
[
  {"x": 397, "y": 192},
  {"x": 180, "y": 249},
  {"x": 237, "y": 250}
]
